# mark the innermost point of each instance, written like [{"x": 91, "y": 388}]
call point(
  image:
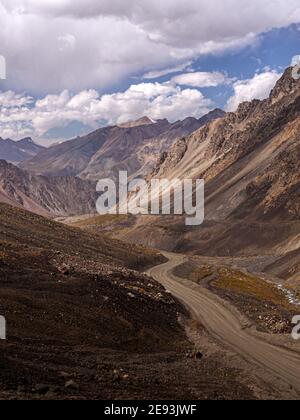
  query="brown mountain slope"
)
[
  {"x": 133, "y": 147},
  {"x": 249, "y": 160},
  {"x": 288, "y": 268},
  {"x": 58, "y": 196}
]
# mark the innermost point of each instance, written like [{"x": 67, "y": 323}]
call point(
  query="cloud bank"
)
[
  {"x": 22, "y": 116},
  {"x": 70, "y": 53},
  {"x": 52, "y": 45}
]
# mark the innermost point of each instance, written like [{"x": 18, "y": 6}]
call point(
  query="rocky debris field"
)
[{"x": 81, "y": 324}]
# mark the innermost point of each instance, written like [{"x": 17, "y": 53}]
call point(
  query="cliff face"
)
[
  {"x": 59, "y": 196},
  {"x": 248, "y": 159}
]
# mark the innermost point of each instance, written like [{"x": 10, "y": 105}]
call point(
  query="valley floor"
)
[
  {"x": 84, "y": 324},
  {"x": 263, "y": 304},
  {"x": 274, "y": 358}
]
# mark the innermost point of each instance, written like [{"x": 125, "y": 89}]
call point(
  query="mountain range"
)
[
  {"x": 60, "y": 181},
  {"x": 248, "y": 158},
  {"x": 134, "y": 147},
  {"x": 18, "y": 151},
  {"x": 86, "y": 321},
  {"x": 250, "y": 163},
  {"x": 57, "y": 196}
]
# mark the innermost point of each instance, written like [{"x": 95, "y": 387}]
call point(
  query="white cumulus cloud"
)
[
  {"x": 52, "y": 45},
  {"x": 201, "y": 79},
  {"x": 259, "y": 87},
  {"x": 20, "y": 116}
]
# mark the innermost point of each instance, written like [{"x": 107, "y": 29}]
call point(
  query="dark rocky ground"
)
[{"x": 82, "y": 325}]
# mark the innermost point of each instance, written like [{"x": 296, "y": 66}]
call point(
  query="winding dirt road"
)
[{"x": 225, "y": 325}]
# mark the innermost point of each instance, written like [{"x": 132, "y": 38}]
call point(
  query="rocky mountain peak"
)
[
  {"x": 286, "y": 85},
  {"x": 137, "y": 123},
  {"x": 211, "y": 116},
  {"x": 26, "y": 140},
  {"x": 216, "y": 113}
]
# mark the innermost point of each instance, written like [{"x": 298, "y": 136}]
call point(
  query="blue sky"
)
[
  {"x": 73, "y": 66},
  {"x": 274, "y": 49}
]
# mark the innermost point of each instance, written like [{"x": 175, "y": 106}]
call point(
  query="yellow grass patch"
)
[{"x": 250, "y": 285}]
